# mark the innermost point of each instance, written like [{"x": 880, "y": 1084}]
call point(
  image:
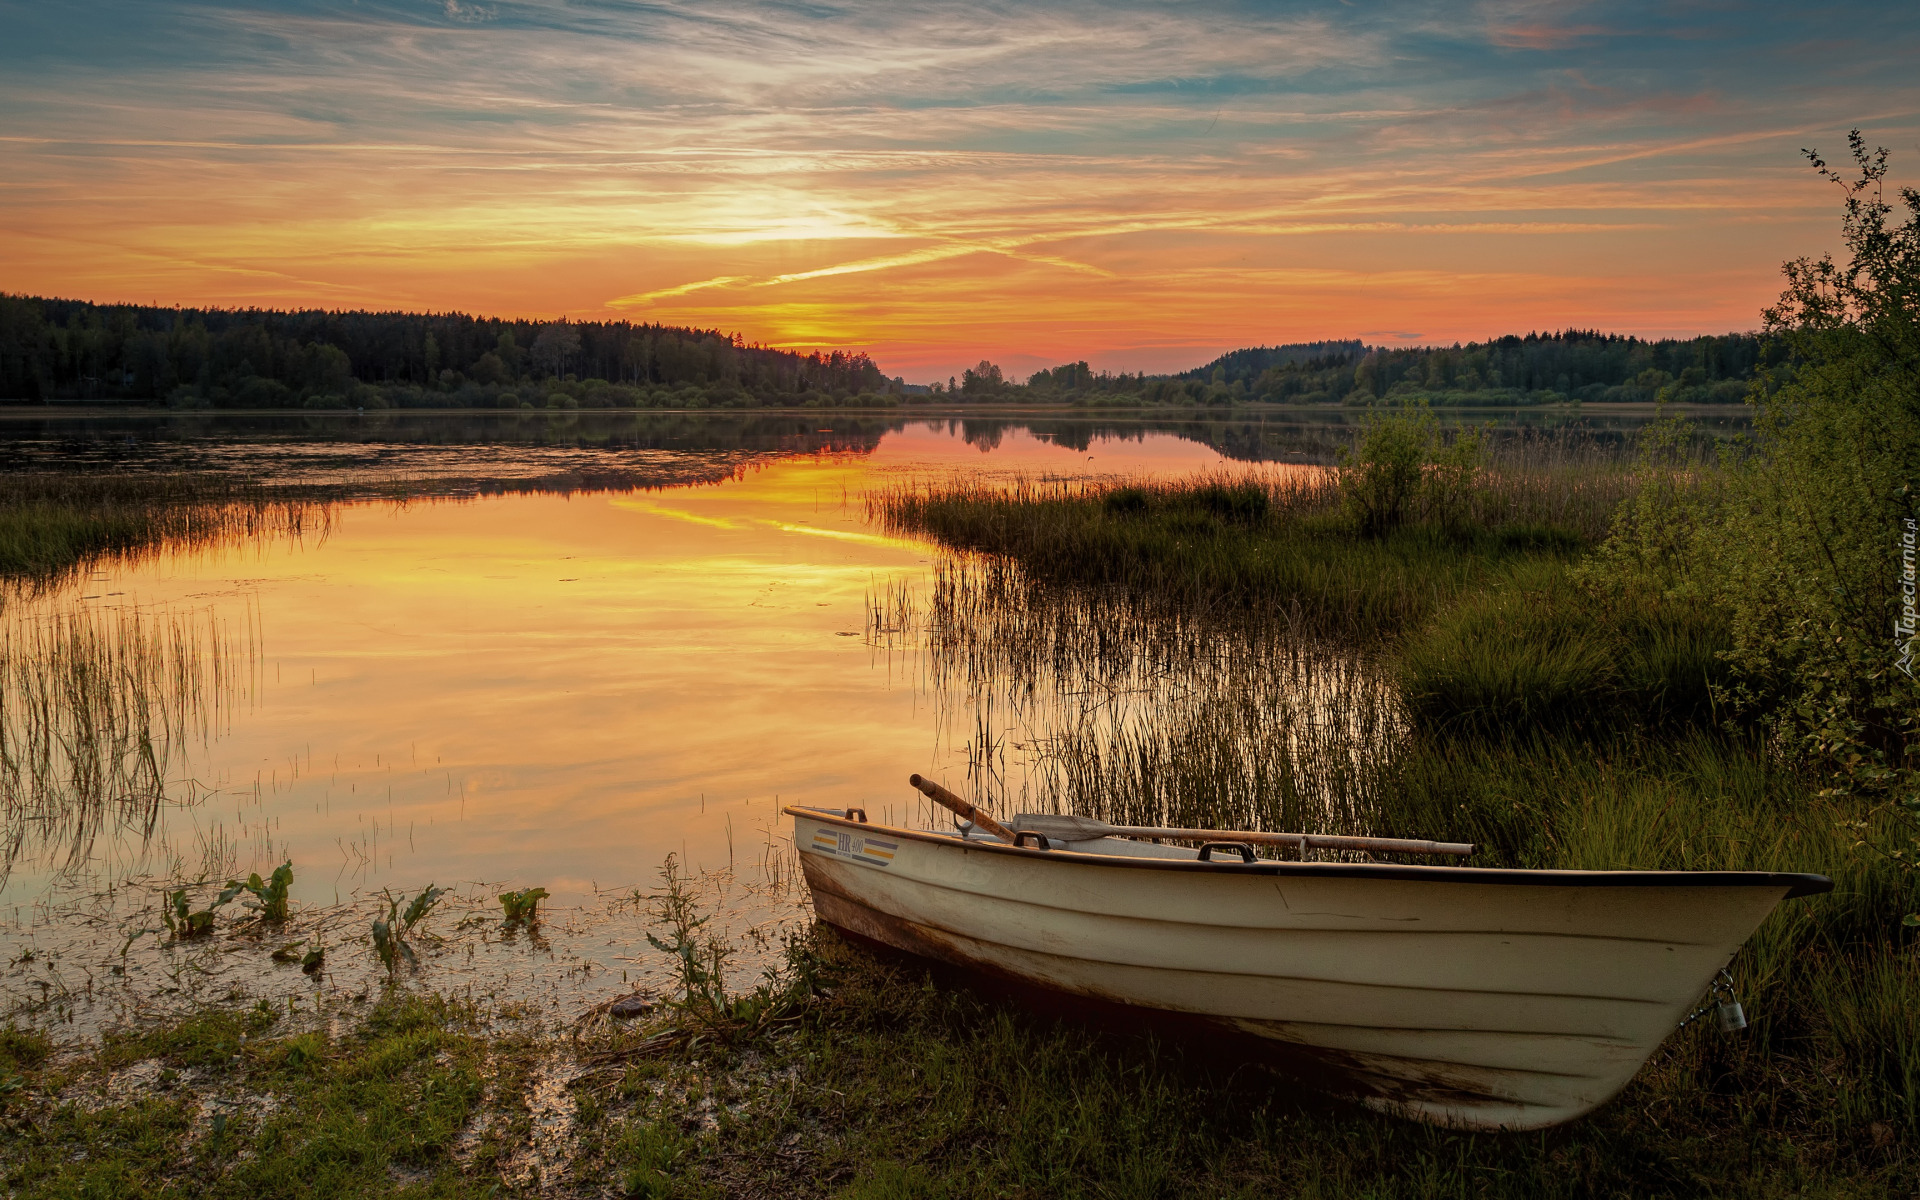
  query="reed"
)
[
  {"x": 53, "y": 523},
  {"x": 96, "y": 708},
  {"x": 1076, "y": 702},
  {"x": 1280, "y": 549},
  {"x": 1556, "y": 724}
]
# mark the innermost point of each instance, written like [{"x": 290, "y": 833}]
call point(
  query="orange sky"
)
[{"x": 1139, "y": 186}]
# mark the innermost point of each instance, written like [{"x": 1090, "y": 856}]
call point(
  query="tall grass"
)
[
  {"x": 1165, "y": 654},
  {"x": 1280, "y": 548},
  {"x": 1074, "y": 701},
  {"x": 1534, "y": 648},
  {"x": 51, "y": 523},
  {"x": 95, "y": 708}
]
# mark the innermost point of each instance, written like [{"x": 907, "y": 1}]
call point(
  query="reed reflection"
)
[
  {"x": 101, "y": 711},
  {"x": 1103, "y": 704}
]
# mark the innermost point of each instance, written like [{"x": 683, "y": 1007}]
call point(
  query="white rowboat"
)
[{"x": 1480, "y": 998}]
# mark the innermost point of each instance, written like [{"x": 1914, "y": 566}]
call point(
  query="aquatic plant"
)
[
  {"x": 309, "y": 955},
  {"x": 51, "y": 523},
  {"x": 270, "y": 896},
  {"x": 522, "y": 906},
  {"x": 185, "y": 924},
  {"x": 95, "y": 708},
  {"x": 1291, "y": 555},
  {"x": 391, "y": 933},
  {"x": 699, "y": 958}
]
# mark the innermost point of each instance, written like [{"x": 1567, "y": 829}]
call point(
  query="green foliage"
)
[
  {"x": 1809, "y": 551},
  {"x": 250, "y": 358},
  {"x": 184, "y": 924},
  {"x": 372, "y": 1113},
  {"x": 1801, "y": 544},
  {"x": 523, "y": 905},
  {"x": 1538, "y": 368},
  {"x": 311, "y": 959},
  {"x": 654, "y": 1158},
  {"x": 1535, "y": 649},
  {"x": 24, "y": 1049},
  {"x": 1284, "y": 549},
  {"x": 1381, "y": 475},
  {"x": 391, "y": 933},
  {"x": 699, "y": 959},
  {"x": 1401, "y": 467},
  {"x": 704, "y": 1011},
  {"x": 908, "y": 1087},
  {"x": 21, "y": 1051},
  {"x": 270, "y": 896}
]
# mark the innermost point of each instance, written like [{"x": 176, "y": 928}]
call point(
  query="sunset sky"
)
[{"x": 1141, "y": 186}]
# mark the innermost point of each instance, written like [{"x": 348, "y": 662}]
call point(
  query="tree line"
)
[
  {"x": 1535, "y": 369},
  {"x": 63, "y": 350},
  {"x": 52, "y": 349}
]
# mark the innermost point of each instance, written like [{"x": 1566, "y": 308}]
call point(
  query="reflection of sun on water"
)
[{"x": 555, "y": 690}]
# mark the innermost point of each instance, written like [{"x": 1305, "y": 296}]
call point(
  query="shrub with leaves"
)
[
  {"x": 1380, "y": 475},
  {"x": 1402, "y": 467},
  {"x": 1800, "y": 543}
]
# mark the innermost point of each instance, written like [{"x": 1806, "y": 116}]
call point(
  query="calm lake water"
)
[{"x": 492, "y": 691}]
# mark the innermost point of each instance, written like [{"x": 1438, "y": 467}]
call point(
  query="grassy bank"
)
[
  {"x": 874, "y": 1081},
  {"x": 1558, "y": 720}
]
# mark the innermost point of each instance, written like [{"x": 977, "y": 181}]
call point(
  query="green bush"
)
[
  {"x": 1380, "y": 476},
  {"x": 1402, "y": 467},
  {"x": 1798, "y": 543}
]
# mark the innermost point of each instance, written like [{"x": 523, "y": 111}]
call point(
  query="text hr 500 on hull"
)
[{"x": 1473, "y": 997}]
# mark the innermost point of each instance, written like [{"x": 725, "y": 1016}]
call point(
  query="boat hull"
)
[{"x": 1480, "y": 999}]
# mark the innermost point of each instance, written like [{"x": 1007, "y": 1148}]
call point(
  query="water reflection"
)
[
  {"x": 1108, "y": 705},
  {"x": 523, "y": 683},
  {"x": 531, "y": 689},
  {"x": 520, "y": 445},
  {"x": 100, "y": 712}
]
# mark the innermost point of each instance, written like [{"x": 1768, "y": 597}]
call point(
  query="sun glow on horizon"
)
[{"x": 1139, "y": 187}]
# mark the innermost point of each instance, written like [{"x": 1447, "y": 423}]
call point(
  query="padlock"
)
[{"x": 1732, "y": 1017}]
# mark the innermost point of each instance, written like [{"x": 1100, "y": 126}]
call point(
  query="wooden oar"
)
[
  {"x": 1060, "y": 828},
  {"x": 961, "y": 808}
]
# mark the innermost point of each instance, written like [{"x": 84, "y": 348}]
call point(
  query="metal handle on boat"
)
[
  {"x": 1020, "y": 839},
  {"x": 1244, "y": 849},
  {"x": 961, "y": 808},
  {"x": 862, "y": 818}
]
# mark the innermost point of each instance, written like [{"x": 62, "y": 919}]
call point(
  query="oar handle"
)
[{"x": 961, "y": 808}]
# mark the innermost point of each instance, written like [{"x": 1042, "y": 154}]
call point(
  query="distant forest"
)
[
  {"x": 1540, "y": 368},
  {"x": 71, "y": 350},
  {"x": 262, "y": 358}
]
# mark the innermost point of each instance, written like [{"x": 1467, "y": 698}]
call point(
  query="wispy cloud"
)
[{"x": 938, "y": 179}]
